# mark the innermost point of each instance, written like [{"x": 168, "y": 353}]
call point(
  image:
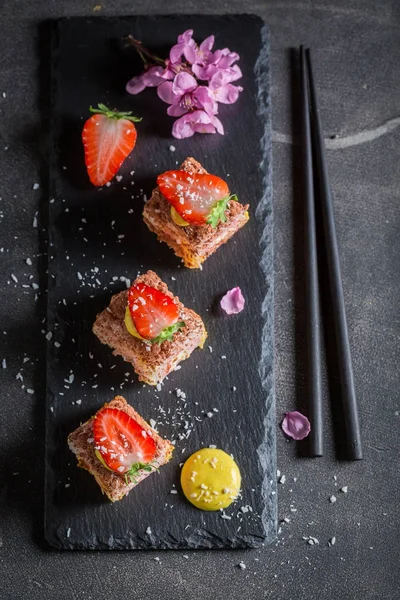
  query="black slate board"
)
[{"x": 90, "y": 65}]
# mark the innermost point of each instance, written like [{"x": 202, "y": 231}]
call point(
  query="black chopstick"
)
[
  {"x": 350, "y": 411},
  {"x": 311, "y": 276}
]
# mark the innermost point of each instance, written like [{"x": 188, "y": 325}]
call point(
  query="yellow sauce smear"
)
[
  {"x": 130, "y": 325},
  {"x": 177, "y": 219},
  {"x": 210, "y": 479}
]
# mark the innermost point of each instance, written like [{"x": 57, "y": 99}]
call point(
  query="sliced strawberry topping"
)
[
  {"x": 195, "y": 196},
  {"x": 154, "y": 314},
  {"x": 108, "y": 137},
  {"x": 122, "y": 443}
]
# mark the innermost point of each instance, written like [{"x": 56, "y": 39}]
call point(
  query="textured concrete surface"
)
[{"x": 356, "y": 47}]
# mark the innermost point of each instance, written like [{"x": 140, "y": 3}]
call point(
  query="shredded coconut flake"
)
[{"x": 332, "y": 541}]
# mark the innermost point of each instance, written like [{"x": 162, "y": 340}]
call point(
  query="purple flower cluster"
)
[{"x": 178, "y": 83}]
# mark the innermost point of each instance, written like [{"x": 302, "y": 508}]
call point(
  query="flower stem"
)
[{"x": 143, "y": 52}]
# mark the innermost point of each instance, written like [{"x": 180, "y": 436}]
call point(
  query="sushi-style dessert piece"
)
[
  {"x": 118, "y": 448},
  {"x": 193, "y": 212},
  {"x": 149, "y": 327}
]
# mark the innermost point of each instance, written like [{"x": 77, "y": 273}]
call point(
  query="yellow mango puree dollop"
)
[{"x": 210, "y": 479}]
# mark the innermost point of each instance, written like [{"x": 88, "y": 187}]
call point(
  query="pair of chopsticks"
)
[{"x": 313, "y": 149}]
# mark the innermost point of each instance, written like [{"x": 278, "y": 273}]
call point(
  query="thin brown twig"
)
[{"x": 143, "y": 52}]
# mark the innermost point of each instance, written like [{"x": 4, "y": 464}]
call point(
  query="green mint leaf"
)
[
  {"x": 168, "y": 333},
  {"x": 217, "y": 213}
]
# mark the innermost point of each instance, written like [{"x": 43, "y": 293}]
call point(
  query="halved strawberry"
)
[
  {"x": 108, "y": 137},
  {"x": 199, "y": 199},
  {"x": 124, "y": 446},
  {"x": 154, "y": 315}
]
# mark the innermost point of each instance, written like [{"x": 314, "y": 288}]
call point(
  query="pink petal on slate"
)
[
  {"x": 233, "y": 301},
  {"x": 296, "y": 425}
]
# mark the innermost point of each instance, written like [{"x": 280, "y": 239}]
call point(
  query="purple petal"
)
[
  {"x": 200, "y": 72},
  {"x": 182, "y": 128},
  {"x": 154, "y": 76},
  {"x": 176, "y": 52},
  {"x": 189, "y": 52},
  {"x": 197, "y": 121},
  {"x": 217, "y": 80},
  {"x": 187, "y": 125},
  {"x": 234, "y": 73},
  {"x": 207, "y": 44},
  {"x": 203, "y": 128},
  {"x": 183, "y": 83},
  {"x": 186, "y": 46},
  {"x": 233, "y": 301},
  {"x": 166, "y": 94},
  {"x": 169, "y": 72},
  {"x": 203, "y": 99},
  {"x": 135, "y": 85},
  {"x": 218, "y": 125},
  {"x": 221, "y": 78},
  {"x": 186, "y": 36},
  {"x": 227, "y": 94},
  {"x": 177, "y": 110},
  {"x": 225, "y": 58},
  {"x": 296, "y": 425}
]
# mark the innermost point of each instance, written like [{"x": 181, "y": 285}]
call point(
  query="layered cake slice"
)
[
  {"x": 193, "y": 212},
  {"x": 150, "y": 328},
  {"x": 118, "y": 448}
]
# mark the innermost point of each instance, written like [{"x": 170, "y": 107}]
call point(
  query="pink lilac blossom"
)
[
  {"x": 185, "y": 47},
  {"x": 221, "y": 88},
  {"x": 221, "y": 63},
  {"x": 296, "y": 425},
  {"x": 195, "y": 105},
  {"x": 184, "y": 95},
  {"x": 233, "y": 301}
]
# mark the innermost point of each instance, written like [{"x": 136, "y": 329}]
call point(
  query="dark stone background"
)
[{"x": 356, "y": 48}]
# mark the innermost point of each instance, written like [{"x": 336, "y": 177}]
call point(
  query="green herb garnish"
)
[
  {"x": 113, "y": 114},
  {"x": 134, "y": 471},
  {"x": 167, "y": 333},
  {"x": 217, "y": 213}
]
